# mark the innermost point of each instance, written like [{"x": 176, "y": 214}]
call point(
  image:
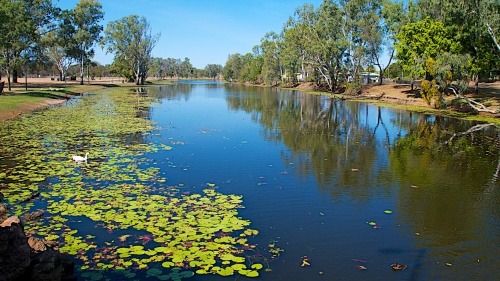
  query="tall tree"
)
[
  {"x": 491, "y": 19},
  {"x": 213, "y": 70},
  {"x": 172, "y": 67},
  {"x": 319, "y": 37},
  {"x": 131, "y": 40},
  {"x": 232, "y": 68},
  {"x": 186, "y": 68},
  {"x": 360, "y": 26},
  {"x": 381, "y": 37},
  {"x": 57, "y": 51},
  {"x": 423, "y": 40},
  {"x": 23, "y": 23},
  {"x": 272, "y": 68},
  {"x": 83, "y": 24}
]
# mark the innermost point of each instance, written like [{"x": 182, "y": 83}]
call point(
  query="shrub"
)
[{"x": 431, "y": 94}]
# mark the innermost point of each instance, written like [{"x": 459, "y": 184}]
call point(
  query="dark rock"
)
[
  {"x": 68, "y": 266},
  {"x": 14, "y": 250},
  {"x": 46, "y": 266},
  {"x": 32, "y": 259}
]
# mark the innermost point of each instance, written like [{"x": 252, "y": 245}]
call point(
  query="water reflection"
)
[
  {"x": 443, "y": 174},
  {"x": 331, "y": 166}
]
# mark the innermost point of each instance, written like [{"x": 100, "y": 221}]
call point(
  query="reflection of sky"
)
[{"x": 225, "y": 146}]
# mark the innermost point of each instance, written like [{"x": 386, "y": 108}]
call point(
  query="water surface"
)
[{"x": 351, "y": 186}]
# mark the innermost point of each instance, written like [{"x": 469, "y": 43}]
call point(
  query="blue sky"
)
[{"x": 205, "y": 31}]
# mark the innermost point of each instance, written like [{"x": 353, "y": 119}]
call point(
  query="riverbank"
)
[
  {"x": 401, "y": 96},
  {"x": 43, "y": 92}
]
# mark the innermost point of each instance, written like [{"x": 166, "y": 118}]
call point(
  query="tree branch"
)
[{"x": 474, "y": 104}]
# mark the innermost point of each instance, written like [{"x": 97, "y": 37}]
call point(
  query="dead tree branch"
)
[{"x": 474, "y": 104}]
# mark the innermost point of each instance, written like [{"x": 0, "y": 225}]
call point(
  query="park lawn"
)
[{"x": 19, "y": 101}]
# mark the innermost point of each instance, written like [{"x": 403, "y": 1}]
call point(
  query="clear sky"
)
[{"x": 205, "y": 31}]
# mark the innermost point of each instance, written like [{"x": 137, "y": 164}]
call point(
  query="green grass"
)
[{"x": 13, "y": 102}]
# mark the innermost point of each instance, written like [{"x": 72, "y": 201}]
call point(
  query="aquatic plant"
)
[{"x": 119, "y": 191}]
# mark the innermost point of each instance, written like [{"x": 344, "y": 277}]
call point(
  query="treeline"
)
[
  {"x": 438, "y": 41},
  {"x": 38, "y": 37}
]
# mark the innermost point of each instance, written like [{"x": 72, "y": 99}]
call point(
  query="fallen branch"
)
[{"x": 472, "y": 103}]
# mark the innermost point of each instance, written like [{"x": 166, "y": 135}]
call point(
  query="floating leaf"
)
[
  {"x": 257, "y": 266},
  {"x": 360, "y": 267}
]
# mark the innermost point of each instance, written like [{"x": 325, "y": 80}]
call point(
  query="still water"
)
[{"x": 351, "y": 186}]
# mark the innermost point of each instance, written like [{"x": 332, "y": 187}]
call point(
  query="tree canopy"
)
[{"x": 131, "y": 40}]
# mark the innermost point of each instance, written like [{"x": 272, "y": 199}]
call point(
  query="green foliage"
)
[
  {"x": 423, "y": 40},
  {"x": 317, "y": 36},
  {"x": 245, "y": 68},
  {"x": 22, "y": 24},
  {"x": 132, "y": 42},
  {"x": 272, "y": 67},
  {"x": 213, "y": 70},
  {"x": 431, "y": 94},
  {"x": 82, "y": 26},
  {"x": 353, "y": 88}
]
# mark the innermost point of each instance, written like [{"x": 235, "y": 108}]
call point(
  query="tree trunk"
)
[
  {"x": 476, "y": 84},
  {"x": 380, "y": 75},
  {"x": 138, "y": 74},
  {"x": 25, "y": 77},
  {"x": 14, "y": 76},
  {"x": 81, "y": 70}
]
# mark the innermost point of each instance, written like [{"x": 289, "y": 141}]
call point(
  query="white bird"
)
[{"x": 77, "y": 158}]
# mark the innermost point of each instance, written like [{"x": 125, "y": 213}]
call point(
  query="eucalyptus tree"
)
[
  {"x": 252, "y": 67},
  {"x": 272, "y": 67},
  {"x": 292, "y": 55},
  {"x": 172, "y": 67},
  {"x": 380, "y": 36},
  {"x": 213, "y": 70},
  {"x": 186, "y": 69},
  {"x": 81, "y": 26},
  {"x": 131, "y": 40},
  {"x": 57, "y": 51},
  {"x": 233, "y": 67},
  {"x": 321, "y": 41},
  {"x": 157, "y": 67},
  {"x": 22, "y": 24},
  {"x": 361, "y": 29},
  {"x": 491, "y": 19}
]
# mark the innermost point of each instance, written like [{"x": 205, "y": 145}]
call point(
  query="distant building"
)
[{"x": 369, "y": 77}]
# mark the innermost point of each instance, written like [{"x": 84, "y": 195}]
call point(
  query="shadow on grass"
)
[
  {"x": 109, "y": 85},
  {"x": 62, "y": 94}
]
